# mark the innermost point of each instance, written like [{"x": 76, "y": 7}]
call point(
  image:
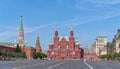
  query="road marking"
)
[
  {"x": 51, "y": 67},
  {"x": 14, "y": 68},
  {"x": 88, "y": 65}
]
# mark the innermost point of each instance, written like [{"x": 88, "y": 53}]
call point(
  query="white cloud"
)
[
  {"x": 34, "y": 29},
  {"x": 96, "y": 10},
  {"x": 97, "y": 17},
  {"x": 10, "y": 32},
  {"x": 7, "y": 35}
]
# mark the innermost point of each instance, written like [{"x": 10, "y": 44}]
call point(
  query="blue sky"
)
[{"x": 89, "y": 18}]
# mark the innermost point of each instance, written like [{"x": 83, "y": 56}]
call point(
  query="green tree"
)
[
  {"x": 18, "y": 49},
  {"x": 39, "y": 55},
  {"x": 107, "y": 56},
  {"x": 19, "y": 53},
  {"x": 115, "y": 55}
]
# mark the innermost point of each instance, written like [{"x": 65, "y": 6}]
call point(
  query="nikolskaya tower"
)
[{"x": 21, "y": 41}]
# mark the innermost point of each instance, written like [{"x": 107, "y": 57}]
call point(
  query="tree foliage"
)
[
  {"x": 39, "y": 55},
  {"x": 110, "y": 56},
  {"x": 18, "y": 49},
  {"x": 105, "y": 56}
]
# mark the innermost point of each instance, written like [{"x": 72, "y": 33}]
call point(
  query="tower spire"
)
[
  {"x": 21, "y": 33},
  {"x": 71, "y": 31},
  {"x": 38, "y": 47},
  {"x": 37, "y": 41},
  {"x": 21, "y": 25},
  {"x": 56, "y": 31}
]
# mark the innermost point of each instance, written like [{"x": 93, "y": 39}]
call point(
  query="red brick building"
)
[{"x": 64, "y": 47}]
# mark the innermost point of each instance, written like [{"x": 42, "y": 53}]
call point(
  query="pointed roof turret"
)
[
  {"x": 37, "y": 41},
  {"x": 38, "y": 47},
  {"x": 56, "y": 31},
  {"x": 71, "y": 31},
  {"x": 21, "y": 25}
]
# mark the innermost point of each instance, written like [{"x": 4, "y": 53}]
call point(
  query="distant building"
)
[
  {"x": 64, "y": 47},
  {"x": 89, "y": 54},
  {"x": 110, "y": 48},
  {"x": 116, "y": 42},
  {"x": 100, "y": 45}
]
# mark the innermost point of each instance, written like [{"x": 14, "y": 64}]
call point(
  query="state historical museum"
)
[{"x": 64, "y": 47}]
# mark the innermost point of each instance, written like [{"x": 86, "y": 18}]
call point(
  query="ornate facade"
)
[{"x": 64, "y": 47}]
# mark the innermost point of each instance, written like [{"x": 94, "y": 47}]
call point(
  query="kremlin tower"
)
[
  {"x": 27, "y": 49},
  {"x": 38, "y": 47},
  {"x": 21, "y": 34}
]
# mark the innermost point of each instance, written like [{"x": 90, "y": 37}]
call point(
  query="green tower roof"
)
[
  {"x": 37, "y": 41},
  {"x": 21, "y": 25},
  {"x": 117, "y": 36}
]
